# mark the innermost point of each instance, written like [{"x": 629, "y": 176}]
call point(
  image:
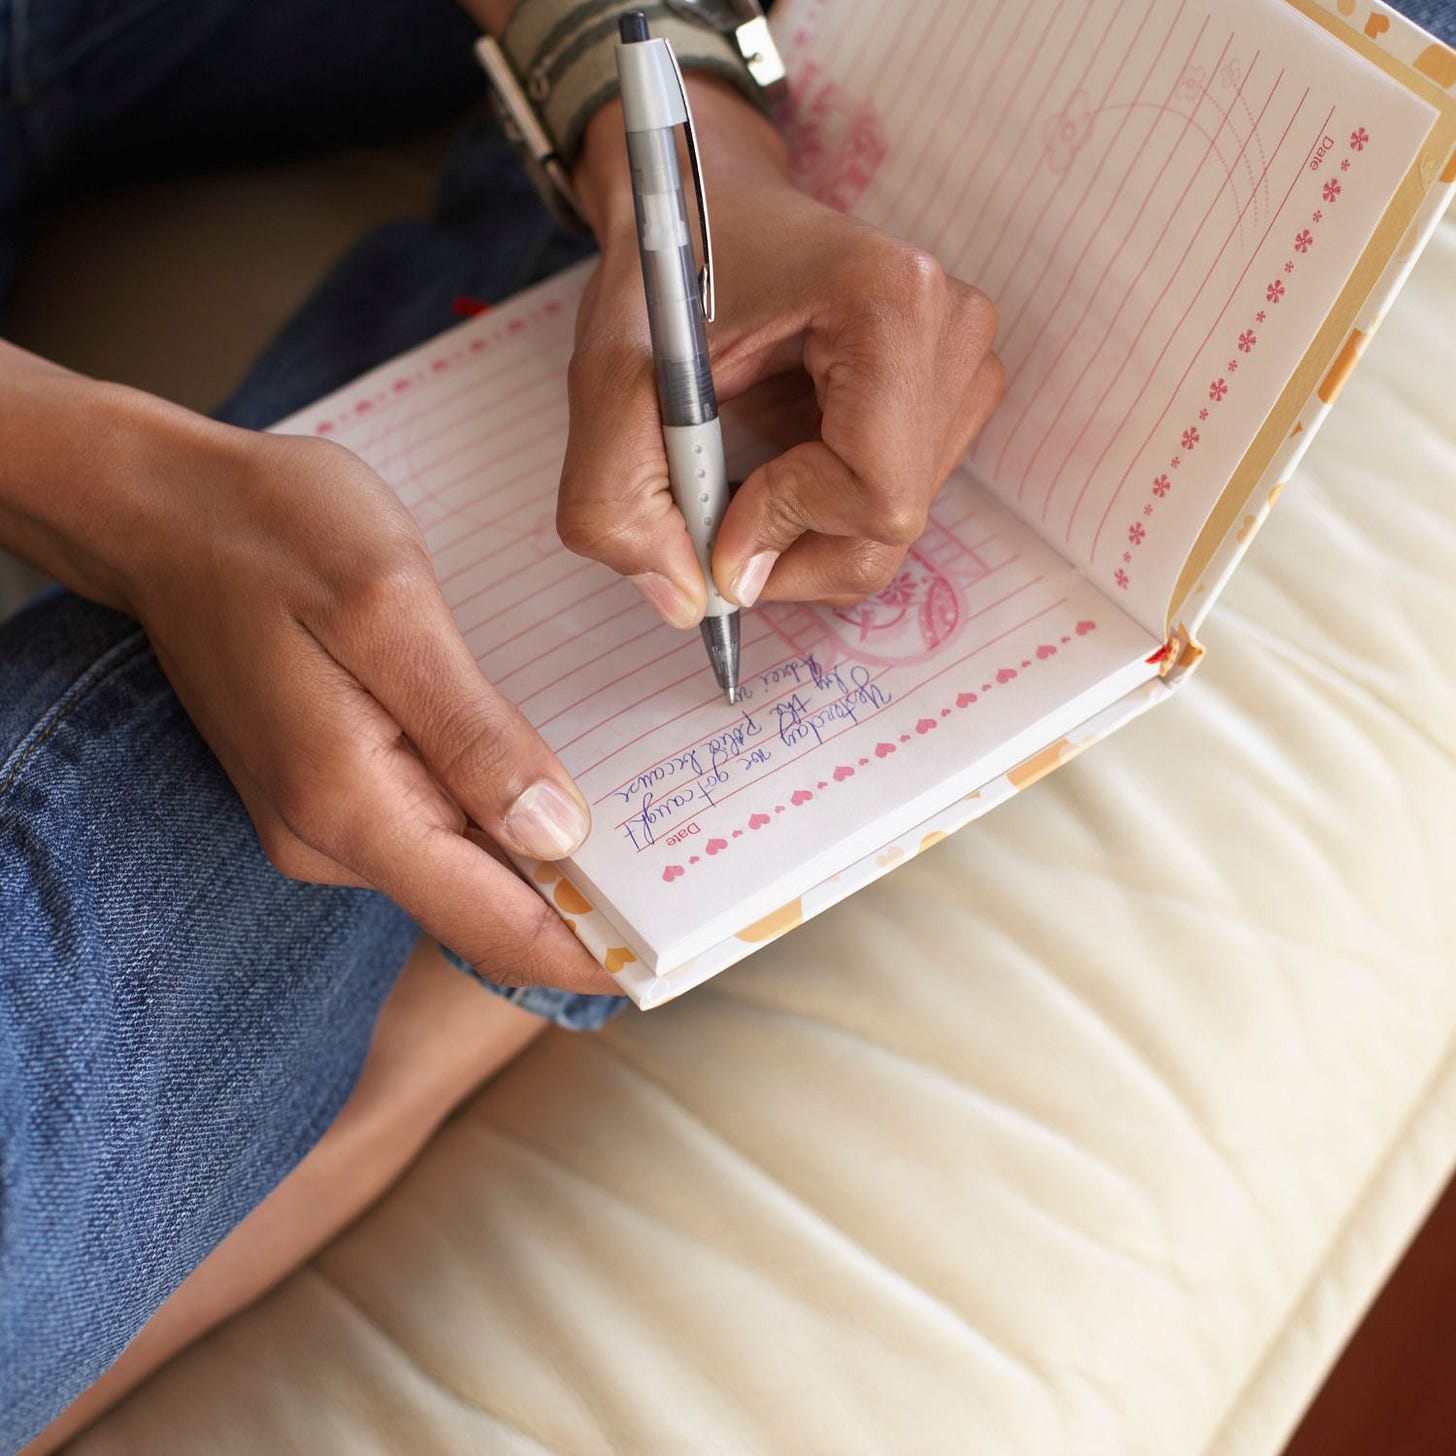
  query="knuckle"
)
[
  {"x": 976, "y": 313},
  {"x": 477, "y": 746},
  {"x": 867, "y": 568},
  {"x": 313, "y": 813},
  {"x": 901, "y": 522},
  {"x": 918, "y": 277}
]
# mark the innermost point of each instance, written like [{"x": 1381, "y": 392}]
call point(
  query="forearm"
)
[{"x": 81, "y": 472}]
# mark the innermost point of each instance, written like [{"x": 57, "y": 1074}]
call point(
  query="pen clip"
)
[{"x": 705, "y": 273}]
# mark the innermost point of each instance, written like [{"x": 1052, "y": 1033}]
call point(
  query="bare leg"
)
[{"x": 437, "y": 1039}]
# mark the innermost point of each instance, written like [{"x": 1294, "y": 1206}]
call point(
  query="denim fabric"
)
[{"x": 178, "y": 1022}]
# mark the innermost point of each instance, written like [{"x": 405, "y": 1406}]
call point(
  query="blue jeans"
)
[{"x": 178, "y": 1022}]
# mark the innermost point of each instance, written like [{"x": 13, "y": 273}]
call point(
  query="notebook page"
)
[
  {"x": 1163, "y": 198},
  {"x": 855, "y": 725}
]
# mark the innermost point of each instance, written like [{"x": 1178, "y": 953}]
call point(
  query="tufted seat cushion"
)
[{"x": 1092, "y": 1130}]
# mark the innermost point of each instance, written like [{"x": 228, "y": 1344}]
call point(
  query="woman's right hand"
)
[{"x": 292, "y": 604}]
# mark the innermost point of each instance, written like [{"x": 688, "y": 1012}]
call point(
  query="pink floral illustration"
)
[
  {"x": 1190, "y": 437},
  {"x": 1120, "y": 577},
  {"x": 1203, "y": 413},
  {"x": 1066, "y": 133},
  {"x": 1289, "y": 266},
  {"x": 1248, "y": 339},
  {"x": 1275, "y": 291},
  {"x": 1330, "y": 190},
  {"x": 1232, "y": 366},
  {"x": 1358, "y": 138},
  {"x": 1231, "y": 73},
  {"x": 1136, "y": 532},
  {"x": 1344, "y": 164},
  {"x": 1303, "y": 240},
  {"x": 1175, "y": 462},
  {"x": 1218, "y": 388},
  {"x": 1148, "y": 509},
  {"x": 1161, "y": 485},
  {"x": 1318, "y": 216},
  {"x": 1127, "y": 555},
  {"x": 900, "y": 591},
  {"x": 1190, "y": 84}
]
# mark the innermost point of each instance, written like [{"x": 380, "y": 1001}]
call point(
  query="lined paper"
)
[
  {"x": 854, "y": 725},
  {"x": 1164, "y": 200},
  {"x": 1139, "y": 184}
]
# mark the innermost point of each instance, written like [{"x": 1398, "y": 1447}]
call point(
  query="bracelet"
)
[{"x": 563, "y": 54}]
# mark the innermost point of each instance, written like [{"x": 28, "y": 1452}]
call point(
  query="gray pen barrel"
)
[{"x": 674, "y": 307}]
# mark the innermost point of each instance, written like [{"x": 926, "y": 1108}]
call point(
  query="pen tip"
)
[{"x": 731, "y": 694}]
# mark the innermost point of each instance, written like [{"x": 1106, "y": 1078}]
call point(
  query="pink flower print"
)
[
  {"x": 1218, "y": 388},
  {"x": 1148, "y": 509},
  {"x": 1289, "y": 266},
  {"x": 1066, "y": 133},
  {"x": 1260, "y": 316},
  {"x": 1190, "y": 437},
  {"x": 1317, "y": 216},
  {"x": 1232, "y": 366},
  {"x": 1275, "y": 291},
  {"x": 1330, "y": 190},
  {"x": 1174, "y": 463},
  {"x": 1203, "y": 413},
  {"x": 1120, "y": 577},
  {"x": 1358, "y": 138},
  {"x": 900, "y": 592},
  {"x": 1160, "y": 486},
  {"x": 1190, "y": 84},
  {"x": 1249, "y": 338},
  {"x": 1230, "y": 74},
  {"x": 1303, "y": 240},
  {"x": 1136, "y": 532},
  {"x": 1127, "y": 556},
  {"x": 1344, "y": 164}
]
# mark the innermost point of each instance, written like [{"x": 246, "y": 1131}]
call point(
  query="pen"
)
[{"x": 679, "y": 306}]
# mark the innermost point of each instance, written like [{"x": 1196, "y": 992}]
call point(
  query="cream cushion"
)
[{"x": 1092, "y": 1130}]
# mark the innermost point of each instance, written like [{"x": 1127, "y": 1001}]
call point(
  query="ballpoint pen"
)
[{"x": 679, "y": 306}]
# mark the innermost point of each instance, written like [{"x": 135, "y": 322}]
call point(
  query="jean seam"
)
[
  {"x": 19, "y": 43},
  {"x": 105, "y": 667},
  {"x": 94, "y": 36}
]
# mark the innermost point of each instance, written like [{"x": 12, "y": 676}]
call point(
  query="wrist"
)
[
  {"x": 738, "y": 145},
  {"x": 86, "y": 485}
]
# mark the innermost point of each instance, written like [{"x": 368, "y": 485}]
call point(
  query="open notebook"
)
[{"x": 1191, "y": 218}]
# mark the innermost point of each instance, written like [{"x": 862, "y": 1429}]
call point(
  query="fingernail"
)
[
  {"x": 751, "y": 577},
  {"x": 671, "y": 604},
  {"x": 546, "y": 821}
]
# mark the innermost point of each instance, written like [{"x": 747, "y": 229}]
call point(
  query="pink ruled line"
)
[
  {"x": 901, "y": 697},
  {"x": 525, "y": 596},
  {"x": 1199, "y": 347},
  {"x": 478, "y": 446},
  {"x": 576, "y": 668},
  {"x": 1002, "y": 291},
  {"x": 550, "y": 618},
  {"x": 1051, "y": 312},
  {"x": 927, "y": 86},
  {"x": 1159, "y": 231},
  {"x": 1033, "y": 53},
  {"x": 1153, "y": 312},
  {"x": 473, "y": 391},
  {"x": 1032, "y": 167},
  {"x": 637, "y": 702},
  {"x": 788, "y": 689}
]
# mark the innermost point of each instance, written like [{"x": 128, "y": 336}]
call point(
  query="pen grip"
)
[{"x": 699, "y": 478}]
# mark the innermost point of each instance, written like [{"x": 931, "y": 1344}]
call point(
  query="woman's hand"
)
[
  {"x": 892, "y": 355},
  {"x": 291, "y": 602}
]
